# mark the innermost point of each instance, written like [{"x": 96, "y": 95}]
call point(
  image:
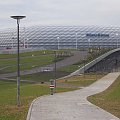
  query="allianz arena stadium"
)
[{"x": 61, "y": 37}]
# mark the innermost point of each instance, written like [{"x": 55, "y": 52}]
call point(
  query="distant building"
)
[{"x": 61, "y": 37}]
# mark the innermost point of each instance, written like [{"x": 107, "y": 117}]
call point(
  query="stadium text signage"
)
[{"x": 97, "y": 35}]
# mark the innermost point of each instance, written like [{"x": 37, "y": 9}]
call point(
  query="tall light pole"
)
[
  {"x": 89, "y": 44},
  {"x": 58, "y": 43},
  {"x": 12, "y": 41},
  {"x": 55, "y": 71},
  {"x": 117, "y": 40},
  {"x": 18, "y": 58},
  {"x": 27, "y": 42},
  {"x": 25, "y": 38},
  {"x": 76, "y": 41}
]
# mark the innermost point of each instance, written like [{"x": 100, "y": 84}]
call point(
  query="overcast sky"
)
[{"x": 60, "y": 12}]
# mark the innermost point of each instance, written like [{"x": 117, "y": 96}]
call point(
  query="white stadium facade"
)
[{"x": 61, "y": 37}]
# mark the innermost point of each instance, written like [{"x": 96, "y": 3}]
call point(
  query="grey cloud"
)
[
  {"x": 10, "y": 2},
  {"x": 77, "y": 12}
]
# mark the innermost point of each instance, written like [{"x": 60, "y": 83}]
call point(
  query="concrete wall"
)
[{"x": 92, "y": 63}]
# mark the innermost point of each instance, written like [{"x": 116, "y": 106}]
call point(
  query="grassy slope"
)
[
  {"x": 43, "y": 76},
  {"x": 70, "y": 68},
  {"x": 109, "y": 99},
  {"x": 91, "y": 56},
  {"x": 80, "y": 81}
]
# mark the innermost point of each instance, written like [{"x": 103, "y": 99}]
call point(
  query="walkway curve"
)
[{"x": 72, "y": 105}]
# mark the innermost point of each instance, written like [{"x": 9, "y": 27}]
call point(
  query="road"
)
[{"x": 78, "y": 55}]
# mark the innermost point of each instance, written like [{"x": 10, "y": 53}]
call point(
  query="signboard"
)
[
  {"x": 52, "y": 86},
  {"x": 97, "y": 35}
]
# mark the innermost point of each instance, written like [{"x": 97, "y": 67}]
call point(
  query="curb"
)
[
  {"x": 30, "y": 109},
  {"x": 31, "y": 105}
]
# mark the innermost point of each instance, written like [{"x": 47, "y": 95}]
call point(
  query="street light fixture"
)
[
  {"x": 18, "y": 58},
  {"x": 117, "y": 40},
  {"x": 25, "y": 38},
  {"x": 58, "y": 43},
  {"x": 89, "y": 44},
  {"x": 12, "y": 41},
  {"x": 76, "y": 41},
  {"x": 55, "y": 71}
]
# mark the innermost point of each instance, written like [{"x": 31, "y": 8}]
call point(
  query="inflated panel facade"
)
[{"x": 61, "y": 37}]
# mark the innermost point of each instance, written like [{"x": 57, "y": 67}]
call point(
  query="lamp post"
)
[
  {"x": 12, "y": 42},
  {"x": 25, "y": 38},
  {"x": 58, "y": 43},
  {"x": 27, "y": 42},
  {"x": 18, "y": 58},
  {"x": 55, "y": 71},
  {"x": 76, "y": 41},
  {"x": 117, "y": 40},
  {"x": 84, "y": 66},
  {"x": 89, "y": 44},
  {"x": 96, "y": 68}
]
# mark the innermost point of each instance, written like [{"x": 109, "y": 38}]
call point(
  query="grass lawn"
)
[
  {"x": 70, "y": 68},
  {"x": 81, "y": 80},
  {"x": 42, "y": 76},
  {"x": 8, "y": 108},
  {"x": 35, "y": 53},
  {"x": 26, "y": 63},
  {"x": 109, "y": 99}
]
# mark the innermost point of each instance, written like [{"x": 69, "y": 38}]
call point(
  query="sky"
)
[{"x": 60, "y": 12}]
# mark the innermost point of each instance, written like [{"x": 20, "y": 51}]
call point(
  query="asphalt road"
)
[{"x": 78, "y": 55}]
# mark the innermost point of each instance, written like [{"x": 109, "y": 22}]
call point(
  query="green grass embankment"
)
[
  {"x": 92, "y": 54},
  {"x": 82, "y": 80},
  {"x": 109, "y": 99},
  {"x": 43, "y": 76}
]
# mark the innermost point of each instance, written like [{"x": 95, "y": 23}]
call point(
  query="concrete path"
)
[{"x": 72, "y": 105}]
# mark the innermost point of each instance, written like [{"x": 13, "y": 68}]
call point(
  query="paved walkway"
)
[{"x": 72, "y": 105}]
